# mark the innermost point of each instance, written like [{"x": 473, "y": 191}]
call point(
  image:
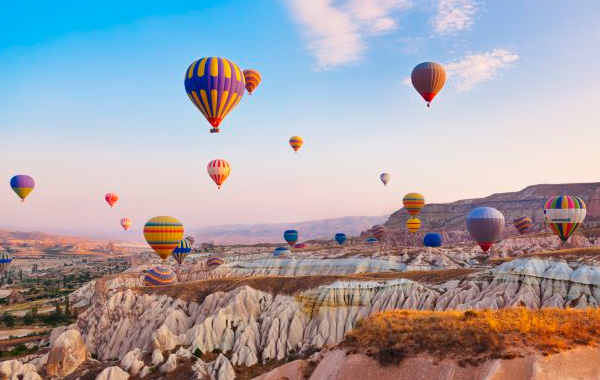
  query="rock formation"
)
[{"x": 67, "y": 353}]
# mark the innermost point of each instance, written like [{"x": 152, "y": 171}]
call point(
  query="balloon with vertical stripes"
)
[
  {"x": 428, "y": 78},
  {"x": 218, "y": 170}
]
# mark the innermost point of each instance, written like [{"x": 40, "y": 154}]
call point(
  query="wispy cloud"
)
[
  {"x": 474, "y": 69},
  {"x": 336, "y": 33},
  {"x": 453, "y": 16}
]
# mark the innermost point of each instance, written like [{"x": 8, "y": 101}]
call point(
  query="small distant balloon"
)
[
  {"x": 372, "y": 241},
  {"x": 340, "y": 237},
  {"x": 300, "y": 246},
  {"x": 163, "y": 234},
  {"x": 432, "y": 239},
  {"x": 522, "y": 224},
  {"x": 111, "y": 199},
  {"x": 22, "y": 185},
  {"x": 564, "y": 214},
  {"x": 215, "y": 86},
  {"x": 159, "y": 276},
  {"x": 413, "y": 224},
  {"x": 280, "y": 251},
  {"x": 413, "y": 203},
  {"x": 485, "y": 224},
  {"x": 379, "y": 231},
  {"x": 214, "y": 262},
  {"x": 182, "y": 250},
  {"x": 126, "y": 223},
  {"x": 296, "y": 143},
  {"x": 252, "y": 78},
  {"x": 385, "y": 178},
  {"x": 291, "y": 237},
  {"x": 218, "y": 170},
  {"x": 5, "y": 260},
  {"x": 428, "y": 78},
  {"x": 190, "y": 239}
]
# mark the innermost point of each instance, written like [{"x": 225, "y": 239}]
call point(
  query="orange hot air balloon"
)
[
  {"x": 218, "y": 170},
  {"x": 428, "y": 78},
  {"x": 111, "y": 199},
  {"x": 125, "y": 223},
  {"x": 252, "y": 78},
  {"x": 163, "y": 234},
  {"x": 296, "y": 143}
]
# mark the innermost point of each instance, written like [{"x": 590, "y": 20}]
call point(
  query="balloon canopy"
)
[
  {"x": 385, "y": 178},
  {"x": 5, "y": 260},
  {"x": 291, "y": 236},
  {"x": 379, "y": 231},
  {"x": 522, "y": 224},
  {"x": 111, "y": 199},
  {"x": 413, "y": 203},
  {"x": 340, "y": 237},
  {"x": 252, "y": 78},
  {"x": 213, "y": 262},
  {"x": 413, "y": 224},
  {"x": 218, "y": 170},
  {"x": 485, "y": 224},
  {"x": 182, "y": 250},
  {"x": 428, "y": 78},
  {"x": 432, "y": 239},
  {"x": 279, "y": 251},
  {"x": 159, "y": 276},
  {"x": 564, "y": 214},
  {"x": 296, "y": 142},
  {"x": 22, "y": 185},
  {"x": 163, "y": 234}
]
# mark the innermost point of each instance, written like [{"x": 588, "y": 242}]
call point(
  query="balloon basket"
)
[{"x": 214, "y": 130}]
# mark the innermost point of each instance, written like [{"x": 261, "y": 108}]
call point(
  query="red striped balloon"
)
[
  {"x": 218, "y": 170},
  {"x": 111, "y": 198}
]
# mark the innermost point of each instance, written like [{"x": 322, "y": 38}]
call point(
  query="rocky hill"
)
[{"x": 529, "y": 201}]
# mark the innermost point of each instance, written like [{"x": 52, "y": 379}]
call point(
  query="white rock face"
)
[
  {"x": 253, "y": 326},
  {"x": 66, "y": 354},
  {"x": 221, "y": 369},
  {"x": 13, "y": 369},
  {"x": 133, "y": 362},
  {"x": 170, "y": 365},
  {"x": 112, "y": 373}
]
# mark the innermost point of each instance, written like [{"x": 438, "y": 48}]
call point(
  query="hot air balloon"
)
[
  {"x": 428, "y": 78},
  {"x": 522, "y": 224},
  {"x": 279, "y": 251},
  {"x": 413, "y": 203},
  {"x": 413, "y": 224},
  {"x": 432, "y": 239},
  {"x": 111, "y": 199},
  {"x": 213, "y": 262},
  {"x": 385, "y": 178},
  {"x": 379, "y": 232},
  {"x": 372, "y": 241},
  {"x": 215, "y": 86},
  {"x": 159, "y": 276},
  {"x": 125, "y": 223},
  {"x": 296, "y": 143},
  {"x": 291, "y": 236},
  {"x": 182, "y": 250},
  {"x": 218, "y": 170},
  {"x": 340, "y": 237},
  {"x": 252, "y": 78},
  {"x": 163, "y": 234},
  {"x": 190, "y": 239},
  {"x": 300, "y": 246},
  {"x": 5, "y": 260},
  {"x": 22, "y": 185},
  {"x": 564, "y": 214},
  {"x": 485, "y": 224}
]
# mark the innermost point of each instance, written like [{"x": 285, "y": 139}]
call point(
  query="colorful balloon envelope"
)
[
  {"x": 214, "y": 262},
  {"x": 385, "y": 178},
  {"x": 296, "y": 143},
  {"x": 163, "y": 234},
  {"x": 522, "y": 224},
  {"x": 485, "y": 224},
  {"x": 379, "y": 232},
  {"x": 300, "y": 246},
  {"x": 413, "y": 203},
  {"x": 340, "y": 238},
  {"x": 428, "y": 78},
  {"x": 432, "y": 239},
  {"x": 280, "y": 251},
  {"x": 190, "y": 239},
  {"x": 125, "y": 223},
  {"x": 413, "y": 224},
  {"x": 5, "y": 261},
  {"x": 111, "y": 199},
  {"x": 252, "y": 78},
  {"x": 291, "y": 236},
  {"x": 182, "y": 250},
  {"x": 159, "y": 276},
  {"x": 372, "y": 241},
  {"x": 564, "y": 214},
  {"x": 218, "y": 170},
  {"x": 215, "y": 86},
  {"x": 22, "y": 185}
]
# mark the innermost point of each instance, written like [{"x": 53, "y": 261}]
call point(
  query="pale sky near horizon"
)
[{"x": 92, "y": 100}]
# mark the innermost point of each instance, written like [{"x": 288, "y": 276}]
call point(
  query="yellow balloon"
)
[
  {"x": 163, "y": 234},
  {"x": 413, "y": 224}
]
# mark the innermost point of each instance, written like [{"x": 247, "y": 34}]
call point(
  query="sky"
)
[{"x": 92, "y": 101}]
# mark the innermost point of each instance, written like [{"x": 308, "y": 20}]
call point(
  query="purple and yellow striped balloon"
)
[
  {"x": 215, "y": 86},
  {"x": 159, "y": 276},
  {"x": 22, "y": 185}
]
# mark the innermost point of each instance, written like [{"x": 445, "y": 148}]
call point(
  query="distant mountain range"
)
[
  {"x": 273, "y": 232},
  {"x": 529, "y": 201}
]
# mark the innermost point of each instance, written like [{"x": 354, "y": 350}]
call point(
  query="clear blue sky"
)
[{"x": 92, "y": 100}]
